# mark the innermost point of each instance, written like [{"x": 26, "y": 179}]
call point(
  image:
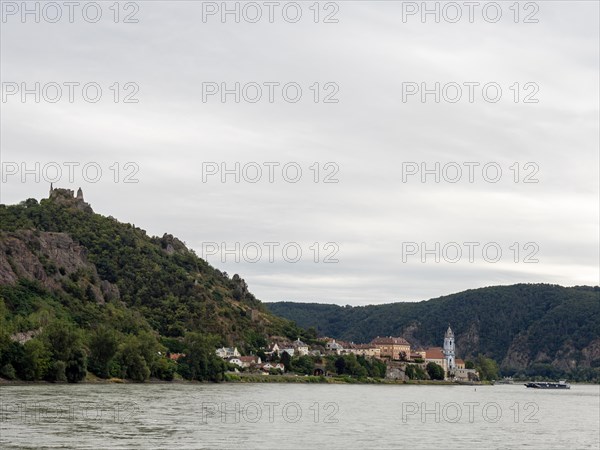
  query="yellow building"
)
[
  {"x": 436, "y": 355},
  {"x": 392, "y": 347},
  {"x": 368, "y": 350}
]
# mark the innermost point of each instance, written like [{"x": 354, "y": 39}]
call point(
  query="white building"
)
[
  {"x": 237, "y": 361},
  {"x": 300, "y": 347},
  {"x": 334, "y": 346},
  {"x": 289, "y": 351},
  {"x": 272, "y": 350},
  {"x": 270, "y": 365},
  {"x": 228, "y": 352}
]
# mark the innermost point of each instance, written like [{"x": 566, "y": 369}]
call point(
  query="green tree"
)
[
  {"x": 255, "y": 342},
  {"x": 133, "y": 365},
  {"x": 487, "y": 368},
  {"x": 57, "y": 371},
  {"x": 415, "y": 372},
  {"x": 12, "y": 357},
  {"x": 311, "y": 333},
  {"x": 304, "y": 365},
  {"x": 65, "y": 342},
  {"x": 353, "y": 367},
  {"x": 8, "y": 371},
  {"x": 164, "y": 369},
  {"x": 286, "y": 360},
  {"x": 103, "y": 347},
  {"x": 378, "y": 368},
  {"x": 340, "y": 365},
  {"x": 36, "y": 360},
  {"x": 76, "y": 366},
  {"x": 150, "y": 348},
  {"x": 435, "y": 371},
  {"x": 200, "y": 361}
]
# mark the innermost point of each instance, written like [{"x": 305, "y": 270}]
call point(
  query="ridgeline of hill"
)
[
  {"x": 82, "y": 292},
  {"x": 530, "y": 329}
]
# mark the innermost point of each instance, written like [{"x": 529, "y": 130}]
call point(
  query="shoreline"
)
[
  {"x": 261, "y": 379},
  {"x": 236, "y": 378},
  {"x": 253, "y": 379}
]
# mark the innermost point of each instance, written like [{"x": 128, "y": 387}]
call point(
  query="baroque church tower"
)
[{"x": 449, "y": 348}]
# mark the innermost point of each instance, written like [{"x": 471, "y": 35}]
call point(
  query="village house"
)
[
  {"x": 271, "y": 365},
  {"x": 392, "y": 347},
  {"x": 280, "y": 345},
  {"x": 290, "y": 351},
  {"x": 249, "y": 361},
  {"x": 300, "y": 347},
  {"x": 334, "y": 346},
  {"x": 272, "y": 349},
  {"x": 235, "y": 360},
  {"x": 228, "y": 352}
]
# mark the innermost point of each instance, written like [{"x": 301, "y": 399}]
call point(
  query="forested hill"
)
[
  {"x": 106, "y": 292},
  {"x": 520, "y": 326}
]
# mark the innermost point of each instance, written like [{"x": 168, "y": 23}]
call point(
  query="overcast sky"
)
[{"x": 374, "y": 222}]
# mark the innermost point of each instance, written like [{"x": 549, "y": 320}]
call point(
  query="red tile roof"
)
[
  {"x": 389, "y": 341},
  {"x": 434, "y": 353},
  {"x": 364, "y": 346},
  {"x": 248, "y": 358}
]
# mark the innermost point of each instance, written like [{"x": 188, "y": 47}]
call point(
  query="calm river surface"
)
[{"x": 298, "y": 416}]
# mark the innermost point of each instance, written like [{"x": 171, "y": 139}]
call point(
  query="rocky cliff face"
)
[
  {"x": 468, "y": 342},
  {"x": 567, "y": 357},
  {"x": 84, "y": 259},
  {"x": 54, "y": 260}
]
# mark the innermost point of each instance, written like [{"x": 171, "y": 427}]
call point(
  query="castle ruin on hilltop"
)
[{"x": 67, "y": 197}]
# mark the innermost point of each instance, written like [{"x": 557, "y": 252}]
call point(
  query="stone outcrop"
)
[
  {"x": 395, "y": 371},
  {"x": 51, "y": 259},
  {"x": 171, "y": 244}
]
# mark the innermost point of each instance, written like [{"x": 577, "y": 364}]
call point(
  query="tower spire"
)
[{"x": 449, "y": 348}]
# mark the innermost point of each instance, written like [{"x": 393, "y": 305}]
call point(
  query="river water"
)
[{"x": 298, "y": 416}]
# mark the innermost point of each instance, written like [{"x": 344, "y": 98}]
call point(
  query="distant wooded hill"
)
[{"x": 527, "y": 328}]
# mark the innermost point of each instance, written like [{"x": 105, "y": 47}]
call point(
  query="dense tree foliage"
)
[
  {"x": 358, "y": 366},
  {"x": 435, "y": 371},
  {"x": 201, "y": 362},
  {"x": 487, "y": 368},
  {"x": 415, "y": 372},
  {"x": 161, "y": 298}
]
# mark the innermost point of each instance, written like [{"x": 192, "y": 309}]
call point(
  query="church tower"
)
[{"x": 449, "y": 348}]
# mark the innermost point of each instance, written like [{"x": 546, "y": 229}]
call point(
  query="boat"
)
[{"x": 562, "y": 384}]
